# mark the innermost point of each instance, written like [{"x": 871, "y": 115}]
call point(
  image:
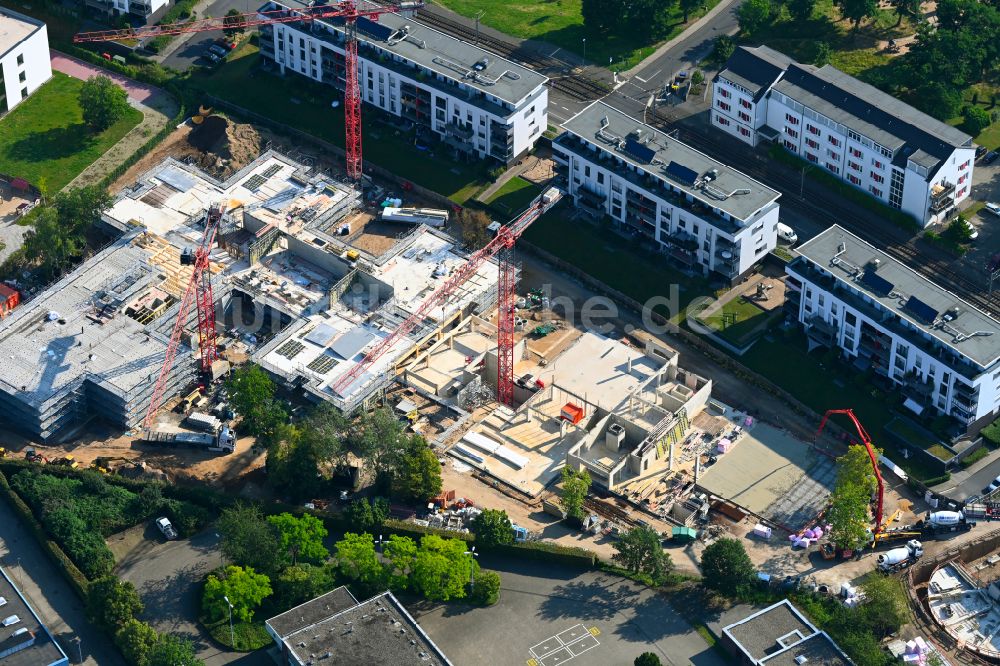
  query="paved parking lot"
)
[{"x": 550, "y": 615}]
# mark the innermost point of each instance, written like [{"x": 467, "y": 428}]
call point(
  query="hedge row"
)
[
  {"x": 72, "y": 574},
  {"x": 991, "y": 434},
  {"x": 550, "y": 552}
]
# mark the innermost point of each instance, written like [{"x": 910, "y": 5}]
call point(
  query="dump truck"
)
[
  {"x": 224, "y": 442},
  {"x": 900, "y": 558}
]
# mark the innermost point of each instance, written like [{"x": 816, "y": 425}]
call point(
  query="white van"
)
[{"x": 786, "y": 234}]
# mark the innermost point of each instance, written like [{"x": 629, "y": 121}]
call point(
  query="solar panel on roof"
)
[
  {"x": 682, "y": 174},
  {"x": 638, "y": 151},
  {"x": 920, "y": 310},
  {"x": 374, "y": 28},
  {"x": 877, "y": 283},
  {"x": 254, "y": 181},
  {"x": 177, "y": 179}
]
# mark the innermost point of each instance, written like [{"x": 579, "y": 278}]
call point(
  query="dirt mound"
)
[{"x": 207, "y": 135}]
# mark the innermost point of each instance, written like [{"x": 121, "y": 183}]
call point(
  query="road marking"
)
[
  {"x": 564, "y": 646},
  {"x": 594, "y": 631},
  {"x": 639, "y": 78},
  {"x": 532, "y": 662}
]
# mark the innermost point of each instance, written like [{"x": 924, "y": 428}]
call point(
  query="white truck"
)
[
  {"x": 166, "y": 528},
  {"x": 224, "y": 442},
  {"x": 946, "y": 522},
  {"x": 900, "y": 558}
]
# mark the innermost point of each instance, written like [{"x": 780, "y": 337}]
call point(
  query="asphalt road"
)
[
  {"x": 190, "y": 48},
  {"x": 543, "y": 607},
  {"x": 50, "y": 595},
  {"x": 975, "y": 483}
]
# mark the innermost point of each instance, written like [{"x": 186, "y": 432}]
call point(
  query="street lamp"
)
[
  {"x": 379, "y": 542},
  {"x": 79, "y": 648},
  {"x": 232, "y": 636},
  {"x": 472, "y": 570},
  {"x": 585, "y": 50}
]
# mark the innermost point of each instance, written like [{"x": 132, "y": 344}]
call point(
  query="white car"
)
[
  {"x": 166, "y": 528},
  {"x": 973, "y": 232},
  {"x": 993, "y": 208}
]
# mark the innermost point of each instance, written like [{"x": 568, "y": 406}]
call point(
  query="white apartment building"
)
[
  {"x": 702, "y": 213},
  {"x": 940, "y": 351},
  {"x": 138, "y": 12},
  {"x": 478, "y": 103},
  {"x": 866, "y": 137},
  {"x": 24, "y": 57}
]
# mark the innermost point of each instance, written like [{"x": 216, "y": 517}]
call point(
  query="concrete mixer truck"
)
[
  {"x": 944, "y": 522},
  {"x": 899, "y": 558}
]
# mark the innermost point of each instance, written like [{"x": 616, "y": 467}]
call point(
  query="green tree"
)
[
  {"x": 301, "y": 537},
  {"x": 103, "y": 102},
  {"x": 856, "y": 11},
  {"x": 49, "y": 244},
  {"x": 940, "y": 100},
  {"x": 822, "y": 56},
  {"x": 233, "y": 23},
  {"x": 170, "y": 650},
  {"x": 400, "y": 553},
  {"x": 722, "y": 49},
  {"x": 486, "y": 590},
  {"x": 602, "y": 15},
  {"x": 848, "y": 516},
  {"x": 975, "y": 119},
  {"x": 300, "y": 583},
  {"x": 472, "y": 224},
  {"x": 418, "y": 476},
  {"x": 249, "y": 540},
  {"x": 252, "y": 394},
  {"x": 854, "y": 468},
  {"x": 492, "y": 528},
  {"x": 639, "y": 550},
  {"x": 245, "y": 589},
  {"x": 906, "y": 9},
  {"x": 367, "y": 516},
  {"x": 135, "y": 639},
  {"x": 112, "y": 602},
  {"x": 688, "y": 6},
  {"x": 753, "y": 15},
  {"x": 575, "y": 486},
  {"x": 801, "y": 10},
  {"x": 726, "y": 567},
  {"x": 885, "y": 609},
  {"x": 442, "y": 569},
  {"x": 647, "y": 659},
  {"x": 358, "y": 561},
  {"x": 958, "y": 230},
  {"x": 379, "y": 439}
]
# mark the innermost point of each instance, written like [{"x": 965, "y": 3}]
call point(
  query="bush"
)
[
  {"x": 975, "y": 456},
  {"x": 550, "y": 552},
  {"x": 111, "y": 603},
  {"x": 486, "y": 590},
  {"x": 991, "y": 434}
]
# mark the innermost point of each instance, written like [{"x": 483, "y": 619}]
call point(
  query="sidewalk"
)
[{"x": 157, "y": 110}]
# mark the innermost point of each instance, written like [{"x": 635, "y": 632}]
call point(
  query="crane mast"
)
[{"x": 867, "y": 442}]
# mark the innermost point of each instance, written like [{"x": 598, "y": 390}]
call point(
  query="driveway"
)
[
  {"x": 168, "y": 577},
  {"x": 50, "y": 595},
  {"x": 187, "y": 50},
  {"x": 548, "y": 615}
]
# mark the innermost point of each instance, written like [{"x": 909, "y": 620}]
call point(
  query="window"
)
[
  {"x": 22, "y": 77},
  {"x": 744, "y": 116},
  {"x": 959, "y": 195},
  {"x": 792, "y": 120},
  {"x": 812, "y": 144},
  {"x": 854, "y": 166},
  {"x": 792, "y": 133},
  {"x": 854, "y": 151},
  {"x": 854, "y": 180},
  {"x": 877, "y": 192},
  {"x": 833, "y": 140},
  {"x": 878, "y": 178},
  {"x": 744, "y": 131},
  {"x": 725, "y": 93},
  {"x": 963, "y": 167},
  {"x": 20, "y": 59},
  {"x": 962, "y": 178},
  {"x": 745, "y": 104},
  {"x": 722, "y": 120},
  {"x": 586, "y": 171},
  {"x": 790, "y": 146},
  {"x": 833, "y": 168},
  {"x": 600, "y": 177},
  {"x": 722, "y": 105},
  {"x": 812, "y": 130},
  {"x": 833, "y": 154},
  {"x": 877, "y": 164},
  {"x": 24, "y": 93},
  {"x": 811, "y": 157}
]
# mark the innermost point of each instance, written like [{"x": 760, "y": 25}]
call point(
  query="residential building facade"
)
[
  {"x": 703, "y": 214},
  {"x": 24, "y": 57},
  {"x": 476, "y": 102},
  {"x": 938, "y": 350},
  {"x": 897, "y": 154}
]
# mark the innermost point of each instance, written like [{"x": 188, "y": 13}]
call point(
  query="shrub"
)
[
  {"x": 991, "y": 434},
  {"x": 975, "y": 456},
  {"x": 111, "y": 603},
  {"x": 486, "y": 590}
]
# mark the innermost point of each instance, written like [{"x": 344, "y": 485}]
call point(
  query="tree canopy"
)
[
  {"x": 301, "y": 537},
  {"x": 753, "y": 15},
  {"x": 418, "y": 474},
  {"x": 492, "y": 528},
  {"x": 851, "y": 497},
  {"x": 575, "y": 486},
  {"x": 358, "y": 561},
  {"x": 367, "y": 516},
  {"x": 111, "y": 603},
  {"x": 857, "y": 10},
  {"x": 252, "y": 392},
  {"x": 232, "y": 23},
  {"x": 726, "y": 567},
  {"x": 244, "y": 588},
  {"x": 249, "y": 540},
  {"x": 103, "y": 102},
  {"x": 647, "y": 659},
  {"x": 639, "y": 550},
  {"x": 171, "y": 650},
  {"x": 442, "y": 568}
]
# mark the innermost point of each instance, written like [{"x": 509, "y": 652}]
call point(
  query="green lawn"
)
[
  {"x": 45, "y": 140},
  {"x": 249, "y": 636},
  {"x": 306, "y": 106},
  {"x": 613, "y": 260},
  {"x": 560, "y": 22},
  {"x": 921, "y": 438},
  {"x": 514, "y": 196},
  {"x": 737, "y": 320}
]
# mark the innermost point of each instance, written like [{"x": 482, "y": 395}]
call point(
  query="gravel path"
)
[{"x": 156, "y": 105}]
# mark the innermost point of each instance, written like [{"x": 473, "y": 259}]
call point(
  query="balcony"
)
[
  {"x": 941, "y": 190},
  {"x": 457, "y": 131},
  {"x": 820, "y": 331}
]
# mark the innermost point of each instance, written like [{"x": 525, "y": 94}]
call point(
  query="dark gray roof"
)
[
  {"x": 731, "y": 191},
  {"x": 904, "y": 283},
  {"x": 909, "y": 133},
  {"x": 755, "y": 68},
  {"x": 312, "y": 611},
  {"x": 45, "y": 651},
  {"x": 818, "y": 650},
  {"x": 758, "y": 635},
  {"x": 378, "y": 632}
]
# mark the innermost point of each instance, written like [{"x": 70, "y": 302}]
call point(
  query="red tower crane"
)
[
  {"x": 199, "y": 291},
  {"x": 347, "y": 10},
  {"x": 501, "y": 247},
  {"x": 867, "y": 441}
]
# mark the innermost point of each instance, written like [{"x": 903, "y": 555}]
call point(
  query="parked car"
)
[
  {"x": 994, "y": 484},
  {"x": 212, "y": 58},
  {"x": 226, "y": 43},
  {"x": 973, "y": 232},
  {"x": 166, "y": 528},
  {"x": 993, "y": 208},
  {"x": 218, "y": 50},
  {"x": 786, "y": 234},
  {"x": 991, "y": 157}
]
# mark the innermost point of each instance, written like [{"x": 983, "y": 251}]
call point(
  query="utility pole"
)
[
  {"x": 79, "y": 648},
  {"x": 479, "y": 15},
  {"x": 232, "y": 636},
  {"x": 584, "y": 50}
]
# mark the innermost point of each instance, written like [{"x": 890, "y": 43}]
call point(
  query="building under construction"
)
[{"x": 288, "y": 280}]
